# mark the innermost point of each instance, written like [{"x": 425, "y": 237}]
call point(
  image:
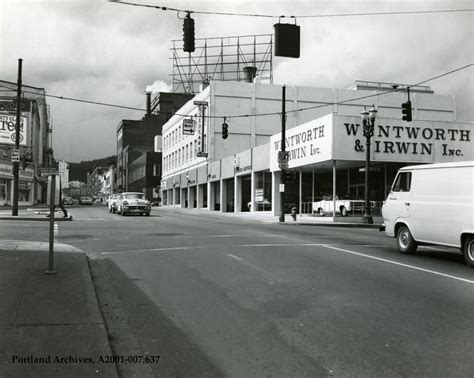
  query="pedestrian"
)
[{"x": 61, "y": 203}]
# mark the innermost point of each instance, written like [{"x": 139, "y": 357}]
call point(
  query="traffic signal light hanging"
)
[
  {"x": 406, "y": 111},
  {"x": 188, "y": 36},
  {"x": 225, "y": 130},
  {"x": 287, "y": 40}
]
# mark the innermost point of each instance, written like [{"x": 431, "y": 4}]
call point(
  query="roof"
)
[{"x": 456, "y": 164}]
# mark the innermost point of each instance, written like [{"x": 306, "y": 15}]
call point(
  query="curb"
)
[
  {"x": 288, "y": 222},
  {"x": 330, "y": 224},
  {"x": 36, "y": 219}
]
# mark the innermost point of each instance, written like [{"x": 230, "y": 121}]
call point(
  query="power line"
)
[
  {"x": 321, "y": 105},
  {"x": 300, "y": 16}
]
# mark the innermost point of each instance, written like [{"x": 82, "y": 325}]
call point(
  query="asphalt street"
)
[{"x": 215, "y": 296}]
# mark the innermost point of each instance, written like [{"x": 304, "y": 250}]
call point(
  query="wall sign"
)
[{"x": 7, "y": 129}]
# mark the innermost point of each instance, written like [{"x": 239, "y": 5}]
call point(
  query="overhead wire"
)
[
  {"x": 293, "y": 16},
  {"x": 320, "y": 105}
]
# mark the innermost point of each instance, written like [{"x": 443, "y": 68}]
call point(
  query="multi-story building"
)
[
  {"x": 324, "y": 140},
  {"x": 35, "y": 143},
  {"x": 136, "y": 137},
  {"x": 96, "y": 182},
  {"x": 110, "y": 183}
]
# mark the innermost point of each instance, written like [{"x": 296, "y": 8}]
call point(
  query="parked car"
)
[
  {"x": 112, "y": 202},
  {"x": 68, "y": 201},
  {"x": 432, "y": 204},
  {"x": 343, "y": 206},
  {"x": 85, "y": 201},
  {"x": 133, "y": 202},
  {"x": 264, "y": 205}
]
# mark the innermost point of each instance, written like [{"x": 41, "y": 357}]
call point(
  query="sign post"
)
[
  {"x": 53, "y": 191},
  {"x": 16, "y": 163}
]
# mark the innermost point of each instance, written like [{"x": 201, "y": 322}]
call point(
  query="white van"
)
[{"x": 432, "y": 204}]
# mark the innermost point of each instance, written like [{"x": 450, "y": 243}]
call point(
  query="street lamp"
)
[{"x": 368, "y": 121}]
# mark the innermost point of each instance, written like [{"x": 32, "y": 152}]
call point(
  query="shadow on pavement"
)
[
  {"x": 136, "y": 327},
  {"x": 50, "y": 325}
]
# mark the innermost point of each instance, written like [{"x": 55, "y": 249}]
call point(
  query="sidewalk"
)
[
  {"x": 268, "y": 217},
  {"x": 50, "y": 325},
  {"x": 33, "y": 214}
]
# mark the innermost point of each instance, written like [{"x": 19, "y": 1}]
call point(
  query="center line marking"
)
[{"x": 400, "y": 264}]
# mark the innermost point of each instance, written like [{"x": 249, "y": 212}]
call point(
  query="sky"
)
[{"x": 107, "y": 52}]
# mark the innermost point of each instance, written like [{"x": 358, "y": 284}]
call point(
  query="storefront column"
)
[
  {"x": 300, "y": 193},
  {"x": 238, "y": 194},
  {"x": 174, "y": 197},
  {"x": 200, "y": 196},
  {"x": 276, "y": 181},
  {"x": 191, "y": 196},
  {"x": 210, "y": 196},
  {"x": 253, "y": 187},
  {"x": 334, "y": 189},
  {"x": 223, "y": 195},
  {"x": 183, "y": 197}
]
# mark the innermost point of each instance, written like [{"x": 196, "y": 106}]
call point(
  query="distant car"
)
[
  {"x": 343, "y": 206},
  {"x": 85, "y": 201},
  {"x": 261, "y": 205},
  {"x": 68, "y": 201},
  {"x": 133, "y": 202},
  {"x": 112, "y": 202}
]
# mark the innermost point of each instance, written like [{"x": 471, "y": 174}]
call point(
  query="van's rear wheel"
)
[
  {"x": 468, "y": 250},
  {"x": 405, "y": 241}
]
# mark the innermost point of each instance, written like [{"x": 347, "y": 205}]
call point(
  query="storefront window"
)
[
  {"x": 23, "y": 195},
  {"x": 3, "y": 189}
]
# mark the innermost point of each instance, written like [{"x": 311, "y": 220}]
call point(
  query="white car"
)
[
  {"x": 133, "y": 202},
  {"x": 343, "y": 207},
  {"x": 112, "y": 202}
]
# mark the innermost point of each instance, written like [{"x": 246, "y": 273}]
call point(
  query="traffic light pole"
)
[
  {"x": 16, "y": 163},
  {"x": 283, "y": 149}
]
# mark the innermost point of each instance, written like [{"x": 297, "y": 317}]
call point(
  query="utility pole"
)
[
  {"x": 16, "y": 163},
  {"x": 283, "y": 159}
]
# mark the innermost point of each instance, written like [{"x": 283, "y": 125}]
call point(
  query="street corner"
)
[{"x": 36, "y": 246}]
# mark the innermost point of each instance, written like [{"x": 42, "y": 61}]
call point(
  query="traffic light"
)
[
  {"x": 406, "y": 111},
  {"x": 287, "y": 40},
  {"x": 188, "y": 36},
  {"x": 225, "y": 130}
]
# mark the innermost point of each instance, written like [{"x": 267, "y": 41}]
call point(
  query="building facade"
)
[
  {"x": 35, "y": 143},
  {"x": 323, "y": 138},
  {"x": 135, "y": 138}
]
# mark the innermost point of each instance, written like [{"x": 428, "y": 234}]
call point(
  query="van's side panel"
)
[{"x": 441, "y": 205}]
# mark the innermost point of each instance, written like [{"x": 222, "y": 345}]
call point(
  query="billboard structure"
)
[{"x": 237, "y": 58}]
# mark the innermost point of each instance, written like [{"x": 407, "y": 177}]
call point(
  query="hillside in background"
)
[{"x": 78, "y": 171}]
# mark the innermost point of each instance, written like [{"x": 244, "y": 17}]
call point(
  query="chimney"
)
[
  {"x": 148, "y": 103},
  {"x": 250, "y": 73}
]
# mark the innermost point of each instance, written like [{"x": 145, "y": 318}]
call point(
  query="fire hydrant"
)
[{"x": 293, "y": 213}]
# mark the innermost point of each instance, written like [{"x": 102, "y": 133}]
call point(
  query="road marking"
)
[
  {"x": 147, "y": 250},
  {"x": 400, "y": 264},
  {"x": 249, "y": 264},
  {"x": 234, "y": 257}
]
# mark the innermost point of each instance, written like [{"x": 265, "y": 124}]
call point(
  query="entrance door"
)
[{"x": 3, "y": 192}]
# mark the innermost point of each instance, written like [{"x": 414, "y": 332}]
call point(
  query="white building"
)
[{"x": 323, "y": 136}]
